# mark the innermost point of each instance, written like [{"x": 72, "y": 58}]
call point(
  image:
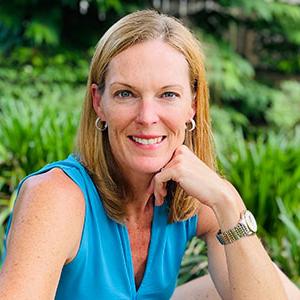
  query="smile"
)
[{"x": 147, "y": 141}]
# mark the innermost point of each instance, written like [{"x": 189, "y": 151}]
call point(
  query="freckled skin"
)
[
  {"x": 148, "y": 111},
  {"x": 140, "y": 234}
]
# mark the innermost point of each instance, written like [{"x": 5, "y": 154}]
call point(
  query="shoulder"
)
[
  {"x": 51, "y": 197},
  {"x": 54, "y": 179},
  {"x": 52, "y": 187}
]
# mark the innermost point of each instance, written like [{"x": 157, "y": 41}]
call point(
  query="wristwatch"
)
[{"x": 246, "y": 226}]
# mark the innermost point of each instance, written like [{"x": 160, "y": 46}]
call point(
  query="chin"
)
[
  {"x": 148, "y": 169},
  {"x": 150, "y": 166}
]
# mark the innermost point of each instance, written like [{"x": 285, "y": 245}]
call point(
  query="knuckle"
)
[
  {"x": 179, "y": 158},
  {"x": 180, "y": 149},
  {"x": 156, "y": 176},
  {"x": 184, "y": 148}
]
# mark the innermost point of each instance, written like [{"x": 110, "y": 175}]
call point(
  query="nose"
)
[{"x": 147, "y": 112}]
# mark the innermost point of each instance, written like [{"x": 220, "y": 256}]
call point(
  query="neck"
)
[{"x": 141, "y": 199}]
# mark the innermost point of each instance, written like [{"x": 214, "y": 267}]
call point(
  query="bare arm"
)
[
  {"x": 243, "y": 269},
  {"x": 44, "y": 235},
  {"x": 217, "y": 266}
]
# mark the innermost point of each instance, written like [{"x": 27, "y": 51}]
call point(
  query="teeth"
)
[{"x": 147, "y": 141}]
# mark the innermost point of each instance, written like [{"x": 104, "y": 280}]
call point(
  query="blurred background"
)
[{"x": 253, "y": 62}]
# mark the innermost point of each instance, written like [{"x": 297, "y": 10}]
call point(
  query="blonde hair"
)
[{"x": 93, "y": 146}]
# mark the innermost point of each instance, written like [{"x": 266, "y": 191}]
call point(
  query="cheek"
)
[
  {"x": 118, "y": 119},
  {"x": 178, "y": 126},
  {"x": 177, "y": 120},
  {"x": 181, "y": 136},
  {"x": 115, "y": 126}
]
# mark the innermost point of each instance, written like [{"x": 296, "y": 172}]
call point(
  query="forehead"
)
[{"x": 154, "y": 61}]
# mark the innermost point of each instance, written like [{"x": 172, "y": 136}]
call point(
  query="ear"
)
[{"x": 97, "y": 101}]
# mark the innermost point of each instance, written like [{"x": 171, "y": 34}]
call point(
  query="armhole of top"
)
[{"x": 70, "y": 173}]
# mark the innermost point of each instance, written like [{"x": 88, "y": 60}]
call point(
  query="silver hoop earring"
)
[
  {"x": 100, "y": 125},
  {"x": 193, "y": 124}
]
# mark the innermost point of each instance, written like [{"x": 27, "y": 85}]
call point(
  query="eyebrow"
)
[
  {"x": 122, "y": 83},
  {"x": 135, "y": 88}
]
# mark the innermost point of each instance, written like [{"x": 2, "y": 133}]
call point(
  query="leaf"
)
[{"x": 42, "y": 33}]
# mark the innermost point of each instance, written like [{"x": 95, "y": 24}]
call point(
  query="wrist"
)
[
  {"x": 228, "y": 211},
  {"x": 246, "y": 227}
]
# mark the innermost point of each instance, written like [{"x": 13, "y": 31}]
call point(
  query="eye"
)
[
  {"x": 123, "y": 94},
  {"x": 171, "y": 95}
]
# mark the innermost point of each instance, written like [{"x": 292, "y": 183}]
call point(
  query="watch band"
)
[
  {"x": 247, "y": 226},
  {"x": 231, "y": 235}
]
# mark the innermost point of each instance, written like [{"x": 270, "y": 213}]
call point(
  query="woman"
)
[{"x": 112, "y": 221}]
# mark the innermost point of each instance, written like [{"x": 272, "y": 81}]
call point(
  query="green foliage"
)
[
  {"x": 40, "y": 33},
  {"x": 34, "y": 67},
  {"x": 262, "y": 171},
  {"x": 224, "y": 122},
  {"x": 283, "y": 17},
  {"x": 34, "y": 135},
  {"x": 194, "y": 262},
  {"x": 284, "y": 112},
  {"x": 108, "y": 4},
  {"x": 284, "y": 247},
  {"x": 54, "y": 24},
  {"x": 245, "y": 42},
  {"x": 222, "y": 62},
  {"x": 6, "y": 206},
  {"x": 39, "y": 114},
  {"x": 236, "y": 87}
]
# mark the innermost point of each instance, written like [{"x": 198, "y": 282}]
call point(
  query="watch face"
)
[{"x": 250, "y": 220}]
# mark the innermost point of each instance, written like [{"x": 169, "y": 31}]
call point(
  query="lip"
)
[{"x": 147, "y": 136}]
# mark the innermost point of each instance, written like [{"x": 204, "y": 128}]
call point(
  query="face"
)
[{"x": 146, "y": 103}]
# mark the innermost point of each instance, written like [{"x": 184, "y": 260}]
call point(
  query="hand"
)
[{"x": 195, "y": 177}]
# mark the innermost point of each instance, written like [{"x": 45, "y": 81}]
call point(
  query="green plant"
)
[
  {"x": 266, "y": 172},
  {"x": 284, "y": 246},
  {"x": 284, "y": 113},
  {"x": 34, "y": 134},
  {"x": 6, "y": 206},
  {"x": 194, "y": 262},
  {"x": 262, "y": 171}
]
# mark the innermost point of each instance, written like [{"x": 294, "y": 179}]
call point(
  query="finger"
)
[
  {"x": 160, "y": 192},
  {"x": 176, "y": 159},
  {"x": 182, "y": 153},
  {"x": 160, "y": 185},
  {"x": 182, "y": 149},
  {"x": 170, "y": 162},
  {"x": 159, "y": 198}
]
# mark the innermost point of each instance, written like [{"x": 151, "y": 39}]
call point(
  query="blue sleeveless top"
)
[{"x": 103, "y": 268}]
